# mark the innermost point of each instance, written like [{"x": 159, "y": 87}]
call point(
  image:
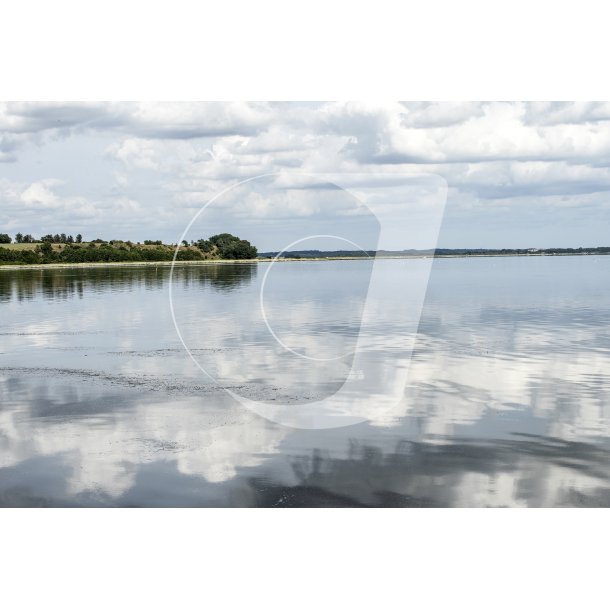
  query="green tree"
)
[
  {"x": 223, "y": 239},
  {"x": 79, "y": 239},
  {"x": 5, "y": 238},
  {"x": 205, "y": 245},
  {"x": 232, "y": 247},
  {"x": 19, "y": 238},
  {"x": 239, "y": 250}
]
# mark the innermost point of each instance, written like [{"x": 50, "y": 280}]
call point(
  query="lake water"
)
[{"x": 507, "y": 400}]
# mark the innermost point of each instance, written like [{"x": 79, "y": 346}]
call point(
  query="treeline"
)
[
  {"x": 519, "y": 251},
  {"x": 58, "y": 238},
  {"x": 217, "y": 247},
  {"x": 440, "y": 252},
  {"x": 320, "y": 254},
  {"x": 92, "y": 253}
]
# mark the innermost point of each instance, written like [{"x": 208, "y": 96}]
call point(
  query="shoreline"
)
[
  {"x": 40, "y": 266},
  {"x": 125, "y": 264}
]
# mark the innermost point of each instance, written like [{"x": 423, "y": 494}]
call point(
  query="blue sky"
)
[{"x": 515, "y": 174}]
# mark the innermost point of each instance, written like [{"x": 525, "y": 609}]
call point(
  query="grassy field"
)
[{"x": 19, "y": 246}]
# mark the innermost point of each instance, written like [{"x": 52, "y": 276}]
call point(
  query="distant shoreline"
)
[{"x": 279, "y": 260}]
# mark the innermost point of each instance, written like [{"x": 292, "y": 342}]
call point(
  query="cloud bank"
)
[{"x": 519, "y": 174}]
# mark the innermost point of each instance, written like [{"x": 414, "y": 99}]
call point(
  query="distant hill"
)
[{"x": 438, "y": 252}]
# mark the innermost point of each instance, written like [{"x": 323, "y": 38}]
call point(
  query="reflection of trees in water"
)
[
  {"x": 221, "y": 276},
  {"x": 543, "y": 471},
  {"x": 23, "y": 284}
]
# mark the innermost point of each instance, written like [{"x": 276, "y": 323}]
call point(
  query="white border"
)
[
  {"x": 319, "y": 50},
  {"x": 312, "y": 558},
  {"x": 270, "y": 49}
]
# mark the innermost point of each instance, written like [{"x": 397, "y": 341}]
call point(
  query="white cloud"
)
[
  {"x": 441, "y": 114},
  {"x": 170, "y": 157},
  {"x": 39, "y": 194},
  {"x": 42, "y": 205},
  {"x": 135, "y": 152},
  {"x": 152, "y": 120}
]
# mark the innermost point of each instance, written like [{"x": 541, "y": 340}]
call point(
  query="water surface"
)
[{"x": 507, "y": 404}]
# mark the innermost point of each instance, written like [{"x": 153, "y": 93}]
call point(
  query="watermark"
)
[
  {"x": 398, "y": 213},
  {"x": 270, "y": 265}
]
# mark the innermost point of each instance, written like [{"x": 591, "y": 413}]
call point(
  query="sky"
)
[{"x": 475, "y": 174}]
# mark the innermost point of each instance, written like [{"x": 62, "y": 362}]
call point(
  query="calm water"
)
[{"x": 507, "y": 401}]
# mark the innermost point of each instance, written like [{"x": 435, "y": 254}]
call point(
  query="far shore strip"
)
[{"x": 268, "y": 260}]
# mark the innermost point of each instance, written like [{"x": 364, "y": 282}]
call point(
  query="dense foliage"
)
[
  {"x": 20, "y": 238},
  {"x": 58, "y": 238},
  {"x": 44, "y": 253},
  {"x": 229, "y": 247},
  {"x": 62, "y": 248}
]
